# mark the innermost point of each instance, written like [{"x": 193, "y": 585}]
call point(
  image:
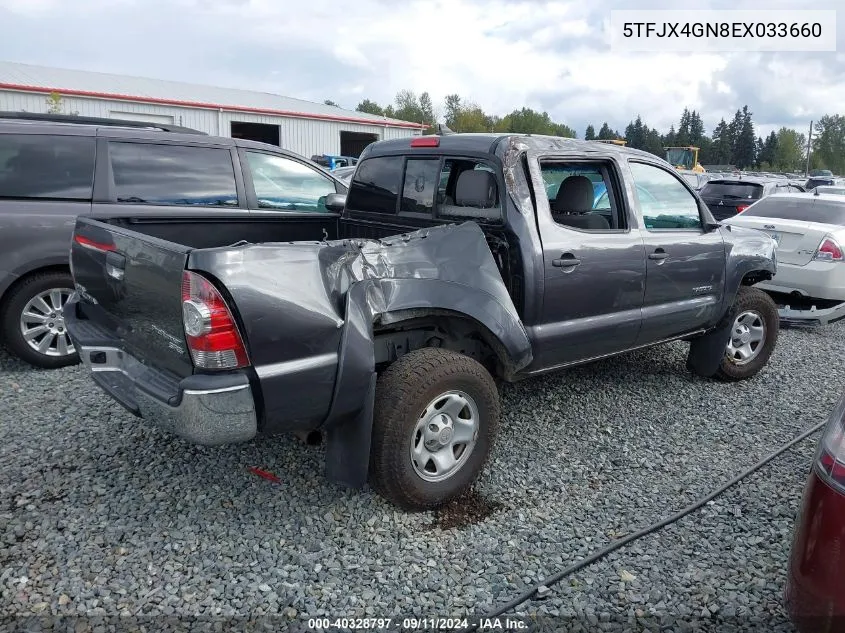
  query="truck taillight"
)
[
  {"x": 210, "y": 328},
  {"x": 829, "y": 250},
  {"x": 830, "y": 456}
]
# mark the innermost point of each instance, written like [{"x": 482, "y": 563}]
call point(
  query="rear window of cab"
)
[{"x": 424, "y": 187}]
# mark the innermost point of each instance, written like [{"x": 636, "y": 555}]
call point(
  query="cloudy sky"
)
[{"x": 501, "y": 54}]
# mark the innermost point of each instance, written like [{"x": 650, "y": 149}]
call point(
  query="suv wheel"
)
[
  {"x": 33, "y": 324},
  {"x": 753, "y": 335},
  {"x": 436, "y": 415}
]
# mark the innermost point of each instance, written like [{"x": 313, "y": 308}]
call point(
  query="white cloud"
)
[{"x": 501, "y": 54}]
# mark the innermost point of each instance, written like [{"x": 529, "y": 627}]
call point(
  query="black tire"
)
[
  {"x": 753, "y": 300},
  {"x": 12, "y": 310},
  {"x": 403, "y": 392}
]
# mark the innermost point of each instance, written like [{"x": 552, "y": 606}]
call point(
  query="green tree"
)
[
  {"x": 561, "y": 129},
  {"x": 636, "y": 133},
  {"x": 669, "y": 138},
  {"x": 54, "y": 103},
  {"x": 329, "y": 102},
  {"x": 590, "y": 133},
  {"x": 654, "y": 142},
  {"x": 452, "y": 105},
  {"x": 528, "y": 121},
  {"x": 696, "y": 129},
  {"x": 768, "y": 150},
  {"x": 722, "y": 144},
  {"x": 370, "y": 107},
  {"x": 606, "y": 134},
  {"x": 829, "y": 144},
  {"x": 789, "y": 152},
  {"x": 742, "y": 131},
  {"x": 427, "y": 109},
  {"x": 683, "y": 135},
  {"x": 471, "y": 118},
  {"x": 408, "y": 107}
]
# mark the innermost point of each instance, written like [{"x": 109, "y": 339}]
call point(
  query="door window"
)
[
  {"x": 581, "y": 196},
  {"x": 665, "y": 202},
  {"x": 42, "y": 166},
  {"x": 145, "y": 173},
  {"x": 283, "y": 183}
]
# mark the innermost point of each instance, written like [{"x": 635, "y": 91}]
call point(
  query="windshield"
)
[
  {"x": 680, "y": 156},
  {"x": 807, "y": 209},
  {"x": 732, "y": 190}
]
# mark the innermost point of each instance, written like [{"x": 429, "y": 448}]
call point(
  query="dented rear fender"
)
[{"x": 308, "y": 310}]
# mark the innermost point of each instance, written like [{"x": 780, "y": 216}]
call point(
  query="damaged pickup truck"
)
[{"x": 453, "y": 262}]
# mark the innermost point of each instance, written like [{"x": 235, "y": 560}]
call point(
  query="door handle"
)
[
  {"x": 659, "y": 254},
  {"x": 567, "y": 260}
]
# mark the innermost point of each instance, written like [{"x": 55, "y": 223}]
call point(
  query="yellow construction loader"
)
[{"x": 684, "y": 158}]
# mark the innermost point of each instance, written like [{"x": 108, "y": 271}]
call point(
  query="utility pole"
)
[{"x": 809, "y": 146}]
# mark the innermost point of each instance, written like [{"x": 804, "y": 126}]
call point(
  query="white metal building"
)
[{"x": 300, "y": 126}]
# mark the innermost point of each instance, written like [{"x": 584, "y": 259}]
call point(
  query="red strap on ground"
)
[{"x": 255, "y": 470}]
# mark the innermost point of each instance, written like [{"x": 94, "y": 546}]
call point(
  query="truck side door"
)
[
  {"x": 593, "y": 263},
  {"x": 685, "y": 261}
]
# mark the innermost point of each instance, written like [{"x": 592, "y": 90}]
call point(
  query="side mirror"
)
[{"x": 335, "y": 202}]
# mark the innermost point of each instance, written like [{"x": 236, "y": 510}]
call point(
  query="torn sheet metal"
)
[{"x": 292, "y": 299}]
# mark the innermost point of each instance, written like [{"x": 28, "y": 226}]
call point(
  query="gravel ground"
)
[{"x": 100, "y": 515}]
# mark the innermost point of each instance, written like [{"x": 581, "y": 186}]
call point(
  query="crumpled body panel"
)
[{"x": 292, "y": 300}]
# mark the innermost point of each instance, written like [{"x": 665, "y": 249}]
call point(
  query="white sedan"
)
[{"x": 809, "y": 230}]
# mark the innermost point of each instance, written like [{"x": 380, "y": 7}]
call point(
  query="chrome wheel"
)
[
  {"x": 444, "y": 436},
  {"x": 747, "y": 337},
  {"x": 43, "y": 325}
]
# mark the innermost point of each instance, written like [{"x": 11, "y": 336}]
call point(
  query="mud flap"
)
[
  {"x": 706, "y": 352},
  {"x": 348, "y": 444}
]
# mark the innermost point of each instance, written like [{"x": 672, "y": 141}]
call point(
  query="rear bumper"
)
[
  {"x": 815, "y": 280},
  {"x": 204, "y": 409},
  {"x": 812, "y": 316}
]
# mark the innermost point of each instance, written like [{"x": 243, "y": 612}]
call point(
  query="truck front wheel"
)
[
  {"x": 754, "y": 333},
  {"x": 436, "y": 415}
]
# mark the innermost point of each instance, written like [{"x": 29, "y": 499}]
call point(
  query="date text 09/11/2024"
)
[{"x": 417, "y": 624}]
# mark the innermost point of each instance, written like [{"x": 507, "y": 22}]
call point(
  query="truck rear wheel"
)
[
  {"x": 436, "y": 415},
  {"x": 754, "y": 333},
  {"x": 32, "y": 321}
]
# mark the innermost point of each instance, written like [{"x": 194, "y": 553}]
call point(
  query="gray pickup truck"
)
[{"x": 452, "y": 262}]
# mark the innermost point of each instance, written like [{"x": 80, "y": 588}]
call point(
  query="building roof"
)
[{"x": 80, "y": 83}]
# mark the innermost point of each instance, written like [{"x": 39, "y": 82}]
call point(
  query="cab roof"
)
[{"x": 489, "y": 143}]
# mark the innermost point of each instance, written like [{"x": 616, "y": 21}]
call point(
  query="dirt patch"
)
[{"x": 466, "y": 510}]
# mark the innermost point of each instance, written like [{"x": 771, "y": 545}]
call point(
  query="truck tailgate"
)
[{"x": 129, "y": 286}]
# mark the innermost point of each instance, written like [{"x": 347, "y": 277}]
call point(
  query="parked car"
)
[
  {"x": 815, "y": 585},
  {"x": 725, "y": 197},
  {"x": 823, "y": 181},
  {"x": 47, "y": 178},
  {"x": 839, "y": 191},
  {"x": 344, "y": 173},
  {"x": 334, "y": 162},
  {"x": 443, "y": 270},
  {"x": 809, "y": 230},
  {"x": 695, "y": 179}
]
